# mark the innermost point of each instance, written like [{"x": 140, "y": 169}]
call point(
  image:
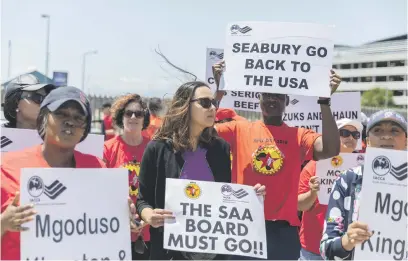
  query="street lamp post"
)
[
  {"x": 47, "y": 46},
  {"x": 9, "y": 60},
  {"x": 83, "y": 66}
]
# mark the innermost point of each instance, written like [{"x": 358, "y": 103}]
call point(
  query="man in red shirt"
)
[
  {"x": 107, "y": 126},
  {"x": 270, "y": 152}
]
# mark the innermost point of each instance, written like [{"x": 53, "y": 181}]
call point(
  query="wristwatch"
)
[{"x": 325, "y": 101}]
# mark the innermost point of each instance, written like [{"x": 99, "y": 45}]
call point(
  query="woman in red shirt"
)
[
  {"x": 313, "y": 212},
  {"x": 126, "y": 150},
  {"x": 64, "y": 121}
]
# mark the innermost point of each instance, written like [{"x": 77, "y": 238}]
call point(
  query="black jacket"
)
[{"x": 160, "y": 162}]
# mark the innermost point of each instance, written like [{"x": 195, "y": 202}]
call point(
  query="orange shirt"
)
[
  {"x": 271, "y": 156},
  {"x": 155, "y": 124},
  {"x": 12, "y": 163},
  {"x": 118, "y": 154},
  {"x": 311, "y": 229}
]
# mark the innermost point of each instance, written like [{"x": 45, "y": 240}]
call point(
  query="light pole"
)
[
  {"x": 9, "y": 60},
  {"x": 83, "y": 66},
  {"x": 47, "y": 45}
]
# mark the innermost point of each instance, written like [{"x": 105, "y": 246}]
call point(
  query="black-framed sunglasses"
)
[
  {"x": 138, "y": 114},
  {"x": 33, "y": 96},
  {"x": 206, "y": 102},
  {"x": 346, "y": 133}
]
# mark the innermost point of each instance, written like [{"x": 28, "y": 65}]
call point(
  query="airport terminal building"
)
[{"x": 381, "y": 64}]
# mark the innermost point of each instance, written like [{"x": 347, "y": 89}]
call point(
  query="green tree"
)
[{"x": 377, "y": 97}]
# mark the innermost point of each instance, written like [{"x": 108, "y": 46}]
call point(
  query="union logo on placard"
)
[
  {"x": 267, "y": 160},
  {"x": 382, "y": 166},
  {"x": 192, "y": 190},
  {"x": 236, "y": 28},
  {"x": 215, "y": 55},
  {"x": 336, "y": 161},
  {"x": 36, "y": 188},
  {"x": 360, "y": 160}
]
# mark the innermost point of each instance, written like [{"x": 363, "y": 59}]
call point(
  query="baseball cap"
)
[
  {"x": 26, "y": 82},
  {"x": 345, "y": 121},
  {"x": 59, "y": 96},
  {"x": 386, "y": 115},
  {"x": 224, "y": 113}
]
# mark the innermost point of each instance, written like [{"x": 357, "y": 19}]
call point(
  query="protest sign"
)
[
  {"x": 213, "y": 56},
  {"x": 18, "y": 139},
  {"x": 71, "y": 223},
  {"x": 329, "y": 169},
  {"x": 384, "y": 205},
  {"x": 287, "y": 58},
  {"x": 214, "y": 218}
]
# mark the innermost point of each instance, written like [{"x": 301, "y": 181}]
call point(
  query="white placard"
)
[
  {"x": 288, "y": 58},
  {"x": 213, "y": 55},
  {"x": 383, "y": 205},
  {"x": 329, "y": 169},
  {"x": 77, "y": 219},
  {"x": 221, "y": 218},
  {"x": 18, "y": 139}
]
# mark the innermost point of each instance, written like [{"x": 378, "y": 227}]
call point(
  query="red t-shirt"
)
[
  {"x": 311, "y": 229},
  {"x": 107, "y": 122},
  {"x": 12, "y": 163},
  {"x": 271, "y": 156},
  {"x": 118, "y": 154}
]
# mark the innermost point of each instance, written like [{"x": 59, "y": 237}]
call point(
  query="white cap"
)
[{"x": 355, "y": 123}]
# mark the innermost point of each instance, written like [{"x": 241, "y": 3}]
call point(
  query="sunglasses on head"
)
[
  {"x": 33, "y": 96},
  {"x": 346, "y": 133},
  {"x": 206, "y": 102},
  {"x": 138, "y": 114}
]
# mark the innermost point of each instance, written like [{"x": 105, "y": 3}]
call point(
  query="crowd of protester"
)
[{"x": 195, "y": 139}]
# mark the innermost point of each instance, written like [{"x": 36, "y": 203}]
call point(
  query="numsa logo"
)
[
  {"x": 192, "y": 190},
  {"x": 36, "y": 188},
  {"x": 336, "y": 161}
]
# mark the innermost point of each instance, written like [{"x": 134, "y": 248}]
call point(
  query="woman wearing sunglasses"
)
[
  {"x": 126, "y": 150},
  {"x": 22, "y": 103},
  {"x": 386, "y": 129},
  {"x": 313, "y": 215},
  {"x": 64, "y": 121},
  {"x": 187, "y": 147}
]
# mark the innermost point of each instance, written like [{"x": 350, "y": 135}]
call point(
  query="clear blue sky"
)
[{"x": 125, "y": 33}]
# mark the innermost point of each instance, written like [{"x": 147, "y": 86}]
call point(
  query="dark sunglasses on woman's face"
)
[
  {"x": 206, "y": 102},
  {"x": 33, "y": 96},
  {"x": 138, "y": 114},
  {"x": 347, "y": 133}
]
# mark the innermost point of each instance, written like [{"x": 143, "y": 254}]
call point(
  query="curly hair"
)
[
  {"x": 176, "y": 123},
  {"x": 119, "y": 105}
]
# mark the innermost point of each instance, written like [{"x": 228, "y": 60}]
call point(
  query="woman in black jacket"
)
[{"x": 186, "y": 146}]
